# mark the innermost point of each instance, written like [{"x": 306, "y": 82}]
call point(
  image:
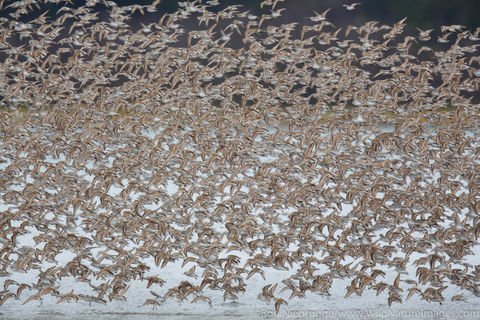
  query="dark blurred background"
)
[{"x": 423, "y": 14}]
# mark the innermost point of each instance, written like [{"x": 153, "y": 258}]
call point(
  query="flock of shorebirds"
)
[{"x": 333, "y": 153}]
